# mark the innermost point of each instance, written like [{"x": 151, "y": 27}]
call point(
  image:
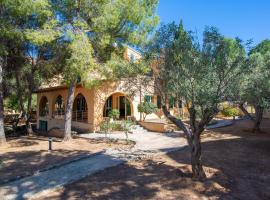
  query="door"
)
[
  {"x": 43, "y": 125},
  {"x": 124, "y": 107}
]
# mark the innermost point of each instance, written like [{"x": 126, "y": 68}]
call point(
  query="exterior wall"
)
[
  {"x": 96, "y": 99},
  {"x": 59, "y": 123}
]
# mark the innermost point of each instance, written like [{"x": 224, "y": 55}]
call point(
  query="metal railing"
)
[
  {"x": 59, "y": 114},
  {"x": 80, "y": 115}
]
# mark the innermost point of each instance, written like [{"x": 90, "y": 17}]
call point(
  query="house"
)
[{"x": 91, "y": 105}]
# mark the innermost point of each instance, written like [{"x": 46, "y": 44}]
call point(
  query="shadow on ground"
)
[
  {"x": 236, "y": 162},
  {"x": 25, "y": 163}
]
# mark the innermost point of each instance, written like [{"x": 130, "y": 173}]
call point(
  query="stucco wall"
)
[
  {"x": 104, "y": 91},
  {"x": 59, "y": 123},
  {"x": 95, "y": 99}
]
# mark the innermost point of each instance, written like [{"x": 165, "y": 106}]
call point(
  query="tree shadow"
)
[
  {"x": 26, "y": 163},
  {"x": 150, "y": 180},
  {"x": 244, "y": 158}
]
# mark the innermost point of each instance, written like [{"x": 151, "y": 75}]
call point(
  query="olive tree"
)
[
  {"x": 255, "y": 87},
  {"x": 202, "y": 76}
]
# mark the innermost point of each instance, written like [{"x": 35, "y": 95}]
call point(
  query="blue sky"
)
[{"x": 247, "y": 19}]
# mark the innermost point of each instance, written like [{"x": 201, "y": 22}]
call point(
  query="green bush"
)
[
  {"x": 127, "y": 125},
  {"x": 230, "y": 112},
  {"x": 114, "y": 114},
  {"x": 147, "y": 108},
  {"x": 116, "y": 126},
  {"x": 105, "y": 126}
]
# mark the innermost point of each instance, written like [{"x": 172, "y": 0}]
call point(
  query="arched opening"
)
[
  {"x": 59, "y": 107},
  {"x": 80, "y": 110},
  {"x": 43, "y": 107},
  {"x": 119, "y": 102}
]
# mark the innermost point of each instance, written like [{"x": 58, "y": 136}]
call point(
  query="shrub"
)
[
  {"x": 230, "y": 112},
  {"x": 127, "y": 125},
  {"x": 147, "y": 108},
  {"x": 105, "y": 126},
  {"x": 114, "y": 114}
]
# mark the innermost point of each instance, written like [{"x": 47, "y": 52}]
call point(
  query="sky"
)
[{"x": 246, "y": 19}]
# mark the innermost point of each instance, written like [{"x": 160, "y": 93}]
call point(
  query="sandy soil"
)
[
  {"x": 237, "y": 164},
  {"x": 25, "y": 155}
]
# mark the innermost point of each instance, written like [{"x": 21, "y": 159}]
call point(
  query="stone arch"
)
[
  {"x": 43, "y": 106},
  {"x": 80, "y": 109},
  {"x": 116, "y": 100}
]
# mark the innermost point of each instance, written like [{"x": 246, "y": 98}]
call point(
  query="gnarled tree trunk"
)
[
  {"x": 243, "y": 109},
  {"x": 196, "y": 158},
  {"x": 2, "y": 129},
  {"x": 193, "y": 139},
  {"x": 258, "y": 120},
  {"x": 68, "y": 113}
]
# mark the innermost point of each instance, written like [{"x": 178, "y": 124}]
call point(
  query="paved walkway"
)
[
  {"x": 40, "y": 184},
  {"x": 221, "y": 123}
]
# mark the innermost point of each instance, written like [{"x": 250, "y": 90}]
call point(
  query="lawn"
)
[
  {"x": 26, "y": 155},
  {"x": 236, "y": 163}
]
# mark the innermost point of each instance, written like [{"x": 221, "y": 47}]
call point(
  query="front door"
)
[{"x": 124, "y": 107}]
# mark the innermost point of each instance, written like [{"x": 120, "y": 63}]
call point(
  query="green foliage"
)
[
  {"x": 255, "y": 85},
  {"x": 230, "y": 112},
  {"x": 114, "y": 114},
  {"x": 79, "y": 60},
  {"x": 202, "y": 75},
  {"x": 147, "y": 108},
  {"x": 262, "y": 48},
  {"x": 117, "y": 68},
  {"x": 127, "y": 125},
  {"x": 105, "y": 126},
  {"x": 12, "y": 103},
  {"x": 124, "y": 125}
]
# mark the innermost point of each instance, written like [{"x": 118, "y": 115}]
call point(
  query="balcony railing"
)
[
  {"x": 80, "y": 115},
  {"x": 59, "y": 114}
]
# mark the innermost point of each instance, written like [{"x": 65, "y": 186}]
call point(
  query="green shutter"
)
[
  {"x": 147, "y": 98},
  {"x": 171, "y": 102}
]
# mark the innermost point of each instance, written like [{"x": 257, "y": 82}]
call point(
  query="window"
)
[
  {"x": 80, "y": 111},
  {"x": 43, "y": 107},
  {"x": 59, "y": 106}
]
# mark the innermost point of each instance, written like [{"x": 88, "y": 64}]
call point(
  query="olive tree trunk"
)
[
  {"x": 2, "y": 129},
  {"x": 258, "y": 119},
  {"x": 68, "y": 113},
  {"x": 243, "y": 109},
  {"x": 194, "y": 142},
  {"x": 196, "y": 158}
]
